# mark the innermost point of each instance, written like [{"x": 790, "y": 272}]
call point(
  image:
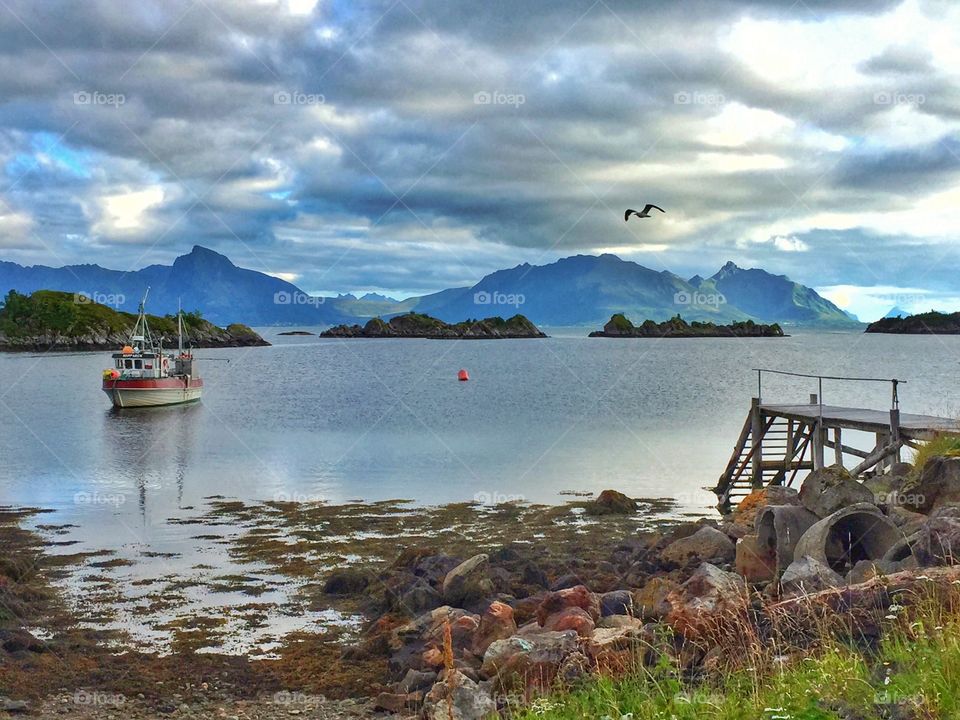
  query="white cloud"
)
[
  {"x": 790, "y": 244},
  {"x": 736, "y": 125},
  {"x": 873, "y": 302},
  {"x": 127, "y": 213}
]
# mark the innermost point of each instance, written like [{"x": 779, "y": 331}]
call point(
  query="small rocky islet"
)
[
  {"x": 418, "y": 325},
  {"x": 930, "y": 323},
  {"x": 52, "y": 320},
  {"x": 619, "y": 326},
  {"x": 481, "y": 609}
]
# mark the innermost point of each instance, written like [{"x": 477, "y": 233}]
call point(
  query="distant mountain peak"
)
[
  {"x": 201, "y": 254},
  {"x": 728, "y": 267},
  {"x": 696, "y": 281},
  {"x": 377, "y": 297}
]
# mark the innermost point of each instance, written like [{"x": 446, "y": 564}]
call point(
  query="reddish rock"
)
[
  {"x": 578, "y": 596},
  {"x": 611, "y": 502},
  {"x": 399, "y": 702},
  {"x": 712, "y": 602},
  {"x": 756, "y": 562},
  {"x": 432, "y": 657},
  {"x": 525, "y": 609},
  {"x": 617, "y": 650},
  {"x": 496, "y": 623},
  {"x": 650, "y": 601},
  {"x": 571, "y": 618},
  {"x": 747, "y": 510}
]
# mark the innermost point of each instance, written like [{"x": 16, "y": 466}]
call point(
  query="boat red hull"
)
[{"x": 152, "y": 392}]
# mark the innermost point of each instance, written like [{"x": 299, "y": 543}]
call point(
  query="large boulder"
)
[
  {"x": 937, "y": 542},
  {"x": 348, "y": 581},
  {"x": 808, "y": 575},
  {"x": 457, "y": 697},
  {"x": 710, "y": 596},
  {"x": 818, "y": 481},
  {"x": 841, "y": 540},
  {"x": 755, "y": 561},
  {"x": 616, "y": 602},
  {"x": 829, "y": 489},
  {"x": 651, "y": 601},
  {"x": 617, "y": 650},
  {"x": 779, "y": 529},
  {"x": 939, "y": 484},
  {"x": 578, "y": 596},
  {"x": 707, "y": 543},
  {"x": 611, "y": 502},
  {"x": 533, "y": 656},
  {"x": 418, "y": 598},
  {"x": 496, "y": 623},
  {"x": 746, "y": 512},
  {"x": 571, "y": 618},
  {"x": 469, "y": 582}
]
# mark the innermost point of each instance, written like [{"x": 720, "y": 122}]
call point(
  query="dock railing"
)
[{"x": 894, "y": 383}]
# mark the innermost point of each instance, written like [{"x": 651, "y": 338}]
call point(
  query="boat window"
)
[
  {"x": 120, "y": 364},
  {"x": 128, "y": 364},
  {"x": 138, "y": 364}
]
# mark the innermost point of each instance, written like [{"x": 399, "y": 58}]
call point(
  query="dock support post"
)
[
  {"x": 837, "y": 447},
  {"x": 895, "y": 430},
  {"x": 819, "y": 435},
  {"x": 756, "y": 433}
]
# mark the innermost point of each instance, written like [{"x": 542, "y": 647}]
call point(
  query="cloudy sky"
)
[{"x": 411, "y": 145}]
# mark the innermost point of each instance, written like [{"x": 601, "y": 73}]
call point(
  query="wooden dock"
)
[{"x": 780, "y": 440}]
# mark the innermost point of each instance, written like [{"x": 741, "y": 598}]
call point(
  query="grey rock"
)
[
  {"x": 808, "y": 575},
  {"x": 617, "y": 602},
  {"x": 707, "y": 543},
  {"x": 468, "y": 582}
]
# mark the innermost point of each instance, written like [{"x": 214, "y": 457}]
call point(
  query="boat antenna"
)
[{"x": 141, "y": 331}]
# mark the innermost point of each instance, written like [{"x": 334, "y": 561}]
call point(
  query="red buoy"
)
[{"x": 463, "y": 376}]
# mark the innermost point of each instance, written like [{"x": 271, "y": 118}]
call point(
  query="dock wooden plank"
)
[{"x": 836, "y": 416}]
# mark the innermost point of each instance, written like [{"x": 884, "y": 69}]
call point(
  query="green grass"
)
[
  {"x": 914, "y": 672},
  {"x": 940, "y": 446}
]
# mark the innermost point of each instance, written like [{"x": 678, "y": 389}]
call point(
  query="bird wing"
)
[
  {"x": 651, "y": 205},
  {"x": 628, "y": 213}
]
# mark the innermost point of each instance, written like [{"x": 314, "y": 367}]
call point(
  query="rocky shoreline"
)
[
  {"x": 620, "y": 327},
  {"x": 520, "y": 600},
  {"x": 233, "y": 336},
  {"x": 415, "y": 325}
]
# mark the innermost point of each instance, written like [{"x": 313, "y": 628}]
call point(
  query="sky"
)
[{"x": 406, "y": 146}]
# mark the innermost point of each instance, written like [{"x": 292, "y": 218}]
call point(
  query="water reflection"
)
[{"x": 151, "y": 448}]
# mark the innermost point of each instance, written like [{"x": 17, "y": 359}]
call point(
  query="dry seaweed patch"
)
[{"x": 304, "y": 541}]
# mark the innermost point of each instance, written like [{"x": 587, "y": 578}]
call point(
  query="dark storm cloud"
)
[{"x": 353, "y": 145}]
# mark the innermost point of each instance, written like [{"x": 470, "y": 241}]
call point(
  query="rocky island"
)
[
  {"x": 53, "y": 320},
  {"x": 620, "y": 327},
  {"x": 417, "y": 325},
  {"x": 930, "y": 323}
]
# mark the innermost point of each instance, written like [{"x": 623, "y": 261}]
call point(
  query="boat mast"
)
[
  {"x": 179, "y": 328},
  {"x": 141, "y": 331}
]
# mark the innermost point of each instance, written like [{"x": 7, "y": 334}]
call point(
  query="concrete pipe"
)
[{"x": 779, "y": 529}]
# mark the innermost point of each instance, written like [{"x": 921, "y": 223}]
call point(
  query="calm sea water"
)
[{"x": 312, "y": 419}]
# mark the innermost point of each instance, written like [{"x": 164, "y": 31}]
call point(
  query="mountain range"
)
[{"x": 578, "y": 290}]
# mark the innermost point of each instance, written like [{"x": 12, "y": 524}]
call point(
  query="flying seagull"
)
[{"x": 643, "y": 214}]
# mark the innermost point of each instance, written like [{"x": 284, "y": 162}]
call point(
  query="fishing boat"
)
[{"x": 144, "y": 376}]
